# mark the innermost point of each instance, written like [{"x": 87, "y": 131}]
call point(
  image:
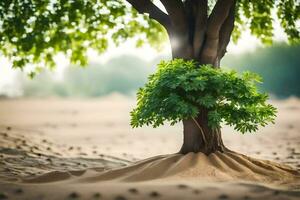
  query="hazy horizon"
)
[{"x": 125, "y": 73}]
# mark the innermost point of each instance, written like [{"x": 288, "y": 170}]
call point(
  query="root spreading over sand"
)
[{"x": 216, "y": 167}]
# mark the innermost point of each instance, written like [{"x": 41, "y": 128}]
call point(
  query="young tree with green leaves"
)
[
  {"x": 202, "y": 97},
  {"x": 191, "y": 88}
]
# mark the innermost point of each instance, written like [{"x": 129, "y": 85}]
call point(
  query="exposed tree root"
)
[{"x": 228, "y": 166}]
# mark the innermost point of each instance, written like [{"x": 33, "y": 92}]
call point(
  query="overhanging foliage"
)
[{"x": 33, "y": 32}]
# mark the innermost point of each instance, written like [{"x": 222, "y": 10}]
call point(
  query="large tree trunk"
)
[
  {"x": 199, "y": 137},
  {"x": 203, "y": 39}
]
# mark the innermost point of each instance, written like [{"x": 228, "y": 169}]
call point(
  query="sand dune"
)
[
  {"x": 176, "y": 177},
  {"x": 229, "y": 166}
]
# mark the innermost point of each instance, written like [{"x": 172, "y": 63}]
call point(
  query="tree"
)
[
  {"x": 202, "y": 97},
  {"x": 200, "y": 30}
]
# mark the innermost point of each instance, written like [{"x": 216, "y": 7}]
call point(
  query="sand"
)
[{"x": 85, "y": 149}]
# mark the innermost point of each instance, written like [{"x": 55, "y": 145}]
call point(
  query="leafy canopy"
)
[
  {"x": 259, "y": 18},
  {"x": 34, "y": 31},
  {"x": 179, "y": 89}
]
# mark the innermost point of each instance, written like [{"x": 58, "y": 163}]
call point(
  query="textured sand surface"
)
[{"x": 67, "y": 145}]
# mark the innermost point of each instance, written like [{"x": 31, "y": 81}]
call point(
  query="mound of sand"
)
[
  {"x": 192, "y": 176},
  {"x": 216, "y": 167}
]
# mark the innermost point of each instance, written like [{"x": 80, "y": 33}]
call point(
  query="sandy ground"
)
[{"x": 38, "y": 136}]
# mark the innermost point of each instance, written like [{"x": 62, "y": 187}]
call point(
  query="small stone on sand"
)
[
  {"x": 97, "y": 195},
  {"x": 120, "y": 198},
  {"x": 196, "y": 191},
  {"x": 19, "y": 191},
  {"x": 223, "y": 196},
  {"x": 182, "y": 186},
  {"x": 74, "y": 195},
  {"x": 133, "y": 190},
  {"x": 154, "y": 194}
]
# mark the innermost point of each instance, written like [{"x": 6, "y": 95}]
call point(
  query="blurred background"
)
[{"x": 122, "y": 71}]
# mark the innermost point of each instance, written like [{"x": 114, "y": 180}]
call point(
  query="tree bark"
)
[
  {"x": 208, "y": 37},
  {"x": 199, "y": 137}
]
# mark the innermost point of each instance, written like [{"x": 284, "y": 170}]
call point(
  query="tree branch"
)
[
  {"x": 200, "y": 8},
  {"x": 175, "y": 9},
  {"x": 216, "y": 19},
  {"x": 197, "y": 18},
  {"x": 225, "y": 32},
  {"x": 218, "y": 16},
  {"x": 146, "y": 6},
  {"x": 179, "y": 32}
]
